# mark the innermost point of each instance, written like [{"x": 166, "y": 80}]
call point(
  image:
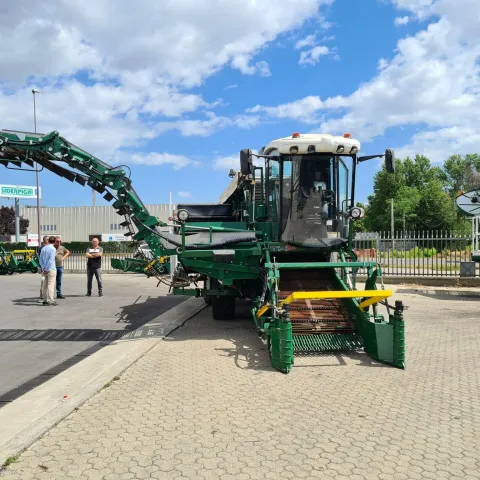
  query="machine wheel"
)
[
  {"x": 10, "y": 271},
  {"x": 223, "y": 308}
]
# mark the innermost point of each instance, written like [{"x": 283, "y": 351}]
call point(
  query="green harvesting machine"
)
[
  {"x": 18, "y": 261},
  {"x": 281, "y": 236}
]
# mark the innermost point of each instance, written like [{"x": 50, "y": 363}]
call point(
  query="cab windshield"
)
[{"x": 314, "y": 200}]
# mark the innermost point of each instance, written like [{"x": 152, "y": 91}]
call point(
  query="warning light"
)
[
  {"x": 296, "y": 135},
  {"x": 347, "y": 135}
]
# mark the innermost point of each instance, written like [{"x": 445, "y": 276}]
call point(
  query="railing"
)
[
  {"x": 417, "y": 253},
  {"x": 77, "y": 262},
  {"x": 436, "y": 254}
]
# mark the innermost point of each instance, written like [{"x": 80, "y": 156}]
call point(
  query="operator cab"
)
[{"x": 313, "y": 178}]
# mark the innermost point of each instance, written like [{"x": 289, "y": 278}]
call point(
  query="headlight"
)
[
  {"x": 182, "y": 215},
  {"x": 357, "y": 212}
]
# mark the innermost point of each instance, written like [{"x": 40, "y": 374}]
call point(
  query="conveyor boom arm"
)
[{"x": 23, "y": 149}]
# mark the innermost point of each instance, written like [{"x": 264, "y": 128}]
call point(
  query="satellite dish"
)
[{"x": 469, "y": 203}]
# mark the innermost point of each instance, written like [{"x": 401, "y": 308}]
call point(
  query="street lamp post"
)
[{"x": 34, "y": 91}]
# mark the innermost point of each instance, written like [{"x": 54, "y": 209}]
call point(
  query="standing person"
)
[
  {"x": 44, "y": 242},
  {"x": 61, "y": 254},
  {"x": 94, "y": 267},
  {"x": 49, "y": 271}
]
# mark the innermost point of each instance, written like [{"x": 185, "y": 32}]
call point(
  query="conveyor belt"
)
[{"x": 317, "y": 325}]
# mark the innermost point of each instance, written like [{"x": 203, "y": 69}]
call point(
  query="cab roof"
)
[{"x": 314, "y": 142}]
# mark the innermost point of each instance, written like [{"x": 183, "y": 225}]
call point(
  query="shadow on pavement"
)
[
  {"x": 135, "y": 317},
  {"x": 441, "y": 294},
  {"x": 249, "y": 351}
]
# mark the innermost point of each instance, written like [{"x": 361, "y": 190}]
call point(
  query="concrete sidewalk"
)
[{"x": 206, "y": 404}]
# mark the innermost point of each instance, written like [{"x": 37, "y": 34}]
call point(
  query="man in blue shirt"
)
[
  {"x": 49, "y": 272},
  {"x": 44, "y": 242}
]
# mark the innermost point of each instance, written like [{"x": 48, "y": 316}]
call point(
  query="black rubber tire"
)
[{"x": 223, "y": 308}]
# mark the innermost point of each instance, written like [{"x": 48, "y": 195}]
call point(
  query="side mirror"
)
[
  {"x": 246, "y": 161},
  {"x": 390, "y": 160}
]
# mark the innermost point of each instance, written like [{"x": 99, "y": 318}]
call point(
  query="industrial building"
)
[{"x": 84, "y": 223}]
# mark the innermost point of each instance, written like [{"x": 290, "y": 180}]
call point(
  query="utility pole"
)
[
  {"x": 17, "y": 220},
  {"x": 34, "y": 91},
  {"x": 403, "y": 223},
  {"x": 392, "y": 226},
  {"x": 94, "y": 198}
]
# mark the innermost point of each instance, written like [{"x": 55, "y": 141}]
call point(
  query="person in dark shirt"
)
[{"x": 94, "y": 267}]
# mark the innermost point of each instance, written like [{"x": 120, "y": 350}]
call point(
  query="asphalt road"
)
[{"x": 37, "y": 342}]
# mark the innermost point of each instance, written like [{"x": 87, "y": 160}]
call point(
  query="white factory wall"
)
[{"x": 79, "y": 223}]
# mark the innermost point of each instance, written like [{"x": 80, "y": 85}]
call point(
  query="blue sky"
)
[{"x": 178, "y": 101}]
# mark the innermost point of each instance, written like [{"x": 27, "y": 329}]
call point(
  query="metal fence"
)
[
  {"x": 438, "y": 254},
  {"x": 433, "y": 253},
  {"x": 77, "y": 262}
]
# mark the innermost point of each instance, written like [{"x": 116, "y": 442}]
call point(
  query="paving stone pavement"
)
[{"x": 205, "y": 404}]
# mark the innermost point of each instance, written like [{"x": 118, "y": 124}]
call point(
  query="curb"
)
[{"x": 32, "y": 415}]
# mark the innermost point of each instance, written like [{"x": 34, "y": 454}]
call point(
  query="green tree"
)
[
  {"x": 420, "y": 196},
  {"x": 7, "y": 222},
  {"x": 359, "y": 225},
  {"x": 461, "y": 173}
]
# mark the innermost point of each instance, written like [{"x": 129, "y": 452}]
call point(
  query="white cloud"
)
[
  {"x": 208, "y": 126},
  {"x": 154, "y": 159},
  {"x": 432, "y": 81},
  {"x": 233, "y": 161},
  {"x": 230, "y": 87},
  {"x": 313, "y": 54},
  {"x": 304, "y": 109},
  {"x": 440, "y": 144},
  {"x": 401, "y": 21},
  {"x": 184, "y": 194},
  {"x": 242, "y": 63},
  {"x": 308, "y": 41},
  {"x": 263, "y": 69},
  {"x": 311, "y": 57},
  {"x": 226, "y": 163},
  {"x": 196, "y": 41},
  {"x": 109, "y": 73}
]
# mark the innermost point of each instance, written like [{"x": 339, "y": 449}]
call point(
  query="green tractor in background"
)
[{"x": 18, "y": 261}]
